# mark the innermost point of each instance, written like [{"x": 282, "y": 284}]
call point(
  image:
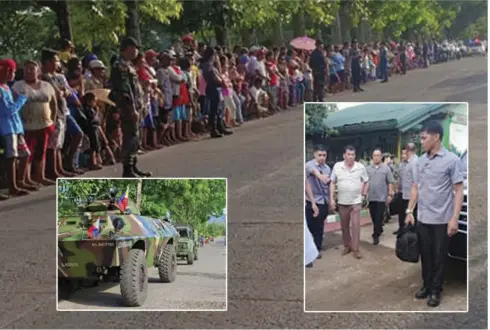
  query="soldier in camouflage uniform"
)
[{"x": 127, "y": 96}]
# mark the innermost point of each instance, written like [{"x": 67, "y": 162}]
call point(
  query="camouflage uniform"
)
[{"x": 126, "y": 94}]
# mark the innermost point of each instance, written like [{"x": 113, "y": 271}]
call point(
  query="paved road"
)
[
  {"x": 264, "y": 164},
  {"x": 201, "y": 286},
  {"x": 377, "y": 282}
]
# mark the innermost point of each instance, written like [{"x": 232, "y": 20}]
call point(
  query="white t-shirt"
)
[
  {"x": 349, "y": 182},
  {"x": 36, "y": 113}
]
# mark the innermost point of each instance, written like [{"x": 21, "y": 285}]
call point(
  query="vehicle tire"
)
[
  {"x": 190, "y": 258},
  {"x": 133, "y": 278},
  {"x": 167, "y": 264},
  {"x": 195, "y": 254}
]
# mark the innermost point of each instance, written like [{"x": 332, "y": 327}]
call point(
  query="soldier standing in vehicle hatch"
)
[{"x": 126, "y": 94}]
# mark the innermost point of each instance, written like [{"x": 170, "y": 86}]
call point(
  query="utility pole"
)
[{"x": 138, "y": 194}]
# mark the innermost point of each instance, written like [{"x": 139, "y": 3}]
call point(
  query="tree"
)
[
  {"x": 315, "y": 119},
  {"x": 190, "y": 201}
]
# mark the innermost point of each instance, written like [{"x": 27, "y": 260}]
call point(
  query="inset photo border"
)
[
  {"x": 382, "y": 182},
  {"x": 152, "y": 244}
]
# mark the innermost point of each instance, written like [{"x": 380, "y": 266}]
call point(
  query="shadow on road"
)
[
  {"x": 201, "y": 274},
  {"x": 97, "y": 296}
]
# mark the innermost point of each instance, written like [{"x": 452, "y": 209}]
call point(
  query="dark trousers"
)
[
  {"x": 356, "y": 74},
  {"x": 434, "y": 243},
  {"x": 384, "y": 70},
  {"x": 215, "y": 111},
  {"x": 402, "y": 215},
  {"x": 403, "y": 60},
  {"x": 318, "y": 88},
  {"x": 316, "y": 224},
  {"x": 377, "y": 212}
]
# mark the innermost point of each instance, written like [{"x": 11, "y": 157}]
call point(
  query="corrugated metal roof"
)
[{"x": 383, "y": 116}]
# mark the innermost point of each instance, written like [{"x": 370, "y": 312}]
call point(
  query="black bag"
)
[
  {"x": 407, "y": 245},
  {"x": 396, "y": 204}
]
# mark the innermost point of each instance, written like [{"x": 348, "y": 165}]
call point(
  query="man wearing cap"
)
[
  {"x": 124, "y": 83},
  {"x": 96, "y": 79}
]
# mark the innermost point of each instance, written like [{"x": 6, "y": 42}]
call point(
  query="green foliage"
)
[
  {"x": 190, "y": 201},
  {"x": 212, "y": 229},
  {"x": 315, "y": 118}
]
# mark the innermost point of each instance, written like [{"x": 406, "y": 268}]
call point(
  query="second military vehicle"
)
[
  {"x": 107, "y": 241},
  {"x": 188, "y": 243}
]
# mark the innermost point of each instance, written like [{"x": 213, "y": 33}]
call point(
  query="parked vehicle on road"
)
[{"x": 188, "y": 245}]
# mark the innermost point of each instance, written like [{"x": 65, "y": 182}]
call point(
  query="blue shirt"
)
[
  {"x": 338, "y": 61},
  {"x": 10, "y": 122}
]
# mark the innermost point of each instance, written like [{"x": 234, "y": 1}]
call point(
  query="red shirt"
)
[{"x": 271, "y": 65}]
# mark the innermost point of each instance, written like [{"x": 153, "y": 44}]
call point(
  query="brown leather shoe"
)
[
  {"x": 357, "y": 254},
  {"x": 346, "y": 251}
]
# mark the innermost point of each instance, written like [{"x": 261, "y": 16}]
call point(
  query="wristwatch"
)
[{"x": 408, "y": 211}]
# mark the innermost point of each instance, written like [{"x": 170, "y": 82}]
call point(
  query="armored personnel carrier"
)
[{"x": 108, "y": 241}]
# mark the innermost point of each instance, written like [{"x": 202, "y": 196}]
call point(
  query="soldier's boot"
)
[
  {"x": 128, "y": 169},
  {"x": 138, "y": 171},
  {"x": 213, "y": 128},
  {"x": 222, "y": 128}
]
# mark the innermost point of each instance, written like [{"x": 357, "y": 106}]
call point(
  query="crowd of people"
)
[
  {"x": 65, "y": 114},
  {"x": 429, "y": 200}
]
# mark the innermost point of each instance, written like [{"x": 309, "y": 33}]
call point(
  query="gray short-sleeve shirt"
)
[
  {"x": 319, "y": 189},
  {"x": 407, "y": 177},
  {"x": 380, "y": 177},
  {"x": 435, "y": 177}
]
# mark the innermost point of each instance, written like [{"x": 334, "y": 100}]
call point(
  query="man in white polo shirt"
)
[{"x": 349, "y": 180}]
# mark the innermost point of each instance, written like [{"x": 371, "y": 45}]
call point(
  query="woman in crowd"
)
[
  {"x": 12, "y": 133},
  {"x": 38, "y": 115},
  {"x": 227, "y": 94}
]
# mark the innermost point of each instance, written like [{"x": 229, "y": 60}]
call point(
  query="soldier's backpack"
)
[{"x": 407, "y": 245}]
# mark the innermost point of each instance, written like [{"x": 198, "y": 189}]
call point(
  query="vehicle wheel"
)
[
  {"x": 133, "y": 278},
  {"x": 190, "y": 258},
  {"x": 167, "y": 264},
  {"x": 195, "y": 255}
]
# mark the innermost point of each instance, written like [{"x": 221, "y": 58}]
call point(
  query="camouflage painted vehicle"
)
[
  {"x": 125, "y": 246},
  {"x": 188, "y": 243}
]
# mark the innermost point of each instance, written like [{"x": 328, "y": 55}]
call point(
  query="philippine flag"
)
[
  {"x": 123, "y": 200},
  {"x": 94, "y": 229}
]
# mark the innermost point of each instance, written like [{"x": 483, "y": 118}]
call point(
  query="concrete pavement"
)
[
  {"x": 377, "y": 282},
  {"x": 264, "y": 164},
  {"x": 201, "y": 286}
]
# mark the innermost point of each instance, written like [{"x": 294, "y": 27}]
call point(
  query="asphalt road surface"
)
[
  {"x": 201, "y": 286},
  {"x": 377, "y": 282},
  {"x": 264, "y": 164}
]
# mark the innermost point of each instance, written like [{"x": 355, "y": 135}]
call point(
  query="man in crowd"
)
[
  {"x": 355, "y": 56},
  {"x": 438, "y": 190},
  {"x": 318, "y": 177},
  {"x": 384, "y": 62},
  {"x": 318, "y": 64},
  {"x": 406, "y": 181},
  {"x": 350, "y": 179},
  {"x": 380, "y": 192},
  {"x": 124, "y": 83}
]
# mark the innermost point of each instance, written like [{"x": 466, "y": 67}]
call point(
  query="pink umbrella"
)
[{"x": 305, "y": 43}]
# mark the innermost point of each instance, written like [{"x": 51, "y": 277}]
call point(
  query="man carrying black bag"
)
[{"x": 438, "y": 189}]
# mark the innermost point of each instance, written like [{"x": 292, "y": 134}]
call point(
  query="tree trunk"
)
[
  {"x": 278, "y": 35},
  {"x": 132, "y": 20},
  {"x": 299, "y": 23},
  {"x": 63, "y": 16},
  {"x": 138, "y": 194},
  {"x": 246, "y": 36},
  {"x": 221, "y": 34},
  {"x": 337, "y": 30},
  {"x": 345, "y": 24}
]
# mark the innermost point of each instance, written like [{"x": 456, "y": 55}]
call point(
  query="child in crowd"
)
[
  {"x": 283, "y": 83},
  {"x": 260, "y": 99},
  {"x": 93, "y": 130}
]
